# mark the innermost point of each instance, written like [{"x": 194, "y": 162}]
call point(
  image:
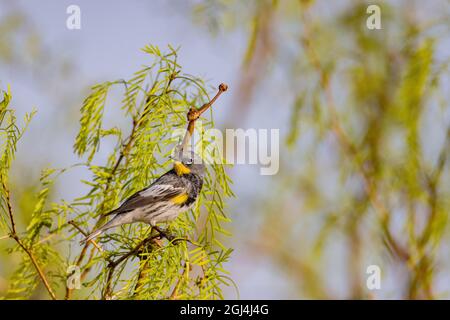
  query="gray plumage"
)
[{"x": 160, "y": 202}]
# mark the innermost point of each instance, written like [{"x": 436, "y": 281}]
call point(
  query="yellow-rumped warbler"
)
[{"x": 171, "y": 194}]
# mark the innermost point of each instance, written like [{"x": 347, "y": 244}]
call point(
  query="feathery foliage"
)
[{"x": 133, "y": 261}]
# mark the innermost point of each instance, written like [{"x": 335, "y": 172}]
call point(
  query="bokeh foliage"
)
[{"x": 365, "y": 175}]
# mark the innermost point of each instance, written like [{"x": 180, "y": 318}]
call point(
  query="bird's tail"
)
[
  {"x": 114, "y": 222},
  {"x": 93, "y": 235}
]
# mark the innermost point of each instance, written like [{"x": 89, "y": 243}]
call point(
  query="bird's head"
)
[{"x": 188, "y": 162}]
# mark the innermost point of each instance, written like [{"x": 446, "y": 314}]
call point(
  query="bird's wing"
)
[{"x": 163, "y": 189}]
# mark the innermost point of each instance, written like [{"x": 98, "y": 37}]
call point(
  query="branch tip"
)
[
  {"x": 223, "y": 87},
  {"x": 194, "y": 113}
]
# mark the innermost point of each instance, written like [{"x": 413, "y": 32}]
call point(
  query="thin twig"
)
[
  {"x": 194, "y": 113},
  {"x": 144, "y": 267},
  {"x": 73, "y": 223},
  {"x": 113, "y": 264},
  {"x": 176, "y": 288},
  {"x": 28, "y": 251},
  {"x": 36, "y": 266},
  {"x": 8, "y": 204}
]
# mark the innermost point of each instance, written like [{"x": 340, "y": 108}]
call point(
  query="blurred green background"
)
[{"x": 363, "y": 114}]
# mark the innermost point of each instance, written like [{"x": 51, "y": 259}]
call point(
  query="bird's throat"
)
[{"x": 180, "y": 168}]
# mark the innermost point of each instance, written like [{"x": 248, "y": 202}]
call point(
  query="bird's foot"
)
[{"x": 166, "y": 234}]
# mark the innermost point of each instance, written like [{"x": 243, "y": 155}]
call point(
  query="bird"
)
[{"x": 174, "y": 192}]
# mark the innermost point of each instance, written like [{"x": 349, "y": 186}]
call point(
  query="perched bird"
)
[{"x": 171, "y": 194}]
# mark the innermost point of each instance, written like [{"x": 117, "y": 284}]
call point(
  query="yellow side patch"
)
[
  {"x": 180, "y": 199},
  {"x": 180, "y": 168}
]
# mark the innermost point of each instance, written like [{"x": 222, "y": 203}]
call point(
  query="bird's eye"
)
[{"x": 189, "y": 161}]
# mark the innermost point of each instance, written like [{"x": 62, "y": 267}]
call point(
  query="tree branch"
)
[
  {"x": 176, "y": 288},
  {"x": 107, "y": 292},
  {"x": 27, "y": 250},
  {"x": 8, "y": 204},
  {"x": 73, "y": 223}
]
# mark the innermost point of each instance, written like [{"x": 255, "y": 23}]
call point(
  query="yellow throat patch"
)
[
  {"x": 180, "y": 168},
  {"x": 180, "y": 199}
]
